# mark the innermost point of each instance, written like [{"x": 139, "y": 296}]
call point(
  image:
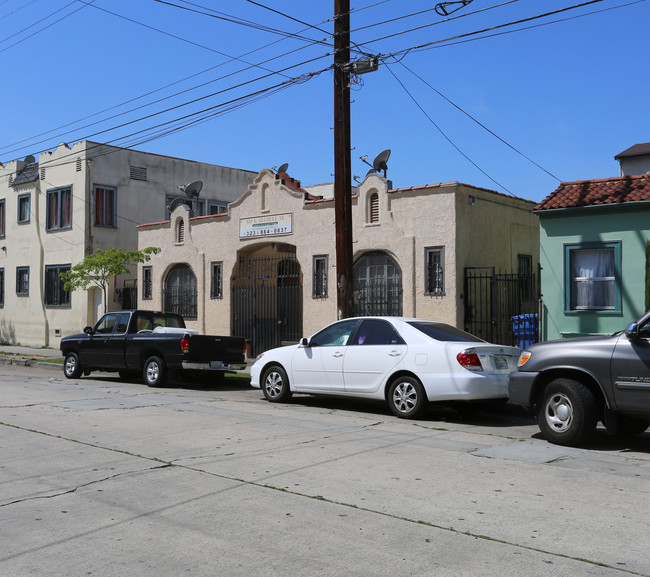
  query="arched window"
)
[
  {"x": 180, "y": 292},
  {"x": 373, "y": 208},
  {"x": 377, "y": 285}
]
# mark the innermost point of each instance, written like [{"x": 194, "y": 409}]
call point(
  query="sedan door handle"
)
[
  {"x": 337, "y": 355},
  {"x": 394, "y": 354}
]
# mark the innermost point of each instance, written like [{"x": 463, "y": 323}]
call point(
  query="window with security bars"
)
[
  {"x": 319, "y": 289},
  {"x": 55, "y": 294},
  {"x": 434, "y": 271},
  {"x": 216, "y": 280},
  {"x": 22, "y": 280},
  {"x": 2, "y": 218},
  {"x": 147, "y": 292},
  {"x": 2, "y": 287}
]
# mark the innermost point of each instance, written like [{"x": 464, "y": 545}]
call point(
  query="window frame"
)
[
  {"x": 216, "y": 279},
  {"x": 24, "y": 199},
  {"x": 428, "y": 252},
  {"x": 320, "y": 276},
  {"x": 147, "y": 283},
  {"x": 22, "y": 281},
  {"x": 56, "y": 225},
  {"x": 61, "y": 296},
  {"x": 218, "y": 205},
  {"x": 569, "y": 250},
  {"x": 109, "y": 217}
]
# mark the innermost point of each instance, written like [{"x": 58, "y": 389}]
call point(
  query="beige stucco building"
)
[
  {"x": 266, "y": 270},
  {"x": 65, "y": 204}
]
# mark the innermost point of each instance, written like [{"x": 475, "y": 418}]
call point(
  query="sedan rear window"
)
[{"x": 443, "y": 332}]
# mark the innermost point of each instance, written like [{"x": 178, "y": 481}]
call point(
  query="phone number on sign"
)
[{"x": 267, "y": 231}]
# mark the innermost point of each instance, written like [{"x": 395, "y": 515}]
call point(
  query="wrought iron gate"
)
[
  {"x": 495, "y": 305},
  {"x": 267, "y": 301}
]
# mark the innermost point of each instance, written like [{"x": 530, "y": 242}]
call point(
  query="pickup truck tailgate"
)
[{"x": 215, "y": 348}]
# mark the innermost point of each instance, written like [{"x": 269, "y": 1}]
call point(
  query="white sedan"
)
[{"x": 405, "y": 361}]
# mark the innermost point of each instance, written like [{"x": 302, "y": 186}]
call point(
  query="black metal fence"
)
[
  {"x": 267, "y": 301},
  {"x": 501, "y": 307}
]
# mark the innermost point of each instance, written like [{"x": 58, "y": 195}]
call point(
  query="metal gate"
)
[
  {"x": 267, "y": 301},
  {"x": 378, "y": 297},
  {"x": 501, "y": 307}
]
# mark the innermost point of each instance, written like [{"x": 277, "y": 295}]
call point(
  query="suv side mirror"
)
[{"x": 632, "y": 331}]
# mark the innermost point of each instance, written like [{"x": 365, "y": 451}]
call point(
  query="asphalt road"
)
[{"x": 104, "y": 478}]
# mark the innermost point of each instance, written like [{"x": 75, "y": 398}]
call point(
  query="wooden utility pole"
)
[{"x": 342, "y": 163}]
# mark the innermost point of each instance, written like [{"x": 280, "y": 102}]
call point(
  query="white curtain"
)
[{"x": 592, "y": 274}]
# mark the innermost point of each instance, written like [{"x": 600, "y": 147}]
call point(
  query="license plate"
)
[
  {"x": 216, "y": 364},
  {"x": 501, "y": 363}
]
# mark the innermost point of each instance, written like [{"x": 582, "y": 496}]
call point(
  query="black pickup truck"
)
[{"x": 150, "y": 344}]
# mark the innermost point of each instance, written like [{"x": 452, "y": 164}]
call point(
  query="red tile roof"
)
[{"x": 615, "y": 190}]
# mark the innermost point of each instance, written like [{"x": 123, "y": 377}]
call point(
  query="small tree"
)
[{"x": 99, "y": 267}]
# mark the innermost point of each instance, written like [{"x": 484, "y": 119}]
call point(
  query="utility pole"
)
[{"x": 342, "y": 162}]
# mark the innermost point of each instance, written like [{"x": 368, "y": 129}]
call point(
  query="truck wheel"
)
[
  {"x": 72, "y": 366},
  {"x": 567, "y": 414},
  {"x": 275, "y": 385},
  {"x": 154, "y": 372}
]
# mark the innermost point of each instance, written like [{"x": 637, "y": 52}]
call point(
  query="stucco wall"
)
[
  {"x": 409, "y": 221},
  {"x": 629, "y": 226},
  {"x": 25, "y": 319}
]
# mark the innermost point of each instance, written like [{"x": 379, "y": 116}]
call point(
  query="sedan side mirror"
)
[
  {"x": 632, "y": 331},
  {"x": 304, "y": 342}
]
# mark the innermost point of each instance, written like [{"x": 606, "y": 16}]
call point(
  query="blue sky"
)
[{"x": 516, "y": 108}]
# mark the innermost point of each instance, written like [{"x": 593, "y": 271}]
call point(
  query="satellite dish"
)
[
  {"x": 193, "y": 188},
  {"x": 380, "y": 161},
  {"x": 284, "y": 167},
  {"x": 175, "y": 203},
  {"x": 30, "y": 159}
]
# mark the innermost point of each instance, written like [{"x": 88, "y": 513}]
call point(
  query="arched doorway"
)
[
  {"x": 267, "y": 296},
  {"x": 377, "y": 285},
  {"x": 180, "y": 292}
]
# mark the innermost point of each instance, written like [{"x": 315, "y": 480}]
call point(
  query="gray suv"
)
[{"x": 574, "y": 383}]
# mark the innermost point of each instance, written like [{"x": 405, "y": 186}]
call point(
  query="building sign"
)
[{"x": 270, "y": 225}]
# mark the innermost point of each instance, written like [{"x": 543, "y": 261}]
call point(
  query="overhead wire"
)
[
  {"x": 479, "y": 123},
  {"x": 251, "y": 65},
  {"x": 45, "y": 27},
  {"x": 442, "y": 132}
]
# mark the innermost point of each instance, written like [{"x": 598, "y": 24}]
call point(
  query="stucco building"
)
[
  {"x": 266, "y": 270},
  {"x": 65, "y": 204}
]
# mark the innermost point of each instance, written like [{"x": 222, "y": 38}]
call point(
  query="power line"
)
[
  {"x": 443, "y": 133},
  {"x": 479, "y": 123}
]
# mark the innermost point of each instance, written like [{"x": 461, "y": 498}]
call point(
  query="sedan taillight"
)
[
  {"x": 185, "y": 344},
  {"x": 469, "y": 359}
]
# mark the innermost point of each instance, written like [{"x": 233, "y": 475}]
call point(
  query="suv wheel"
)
[{"x": 568, "y": 413}]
